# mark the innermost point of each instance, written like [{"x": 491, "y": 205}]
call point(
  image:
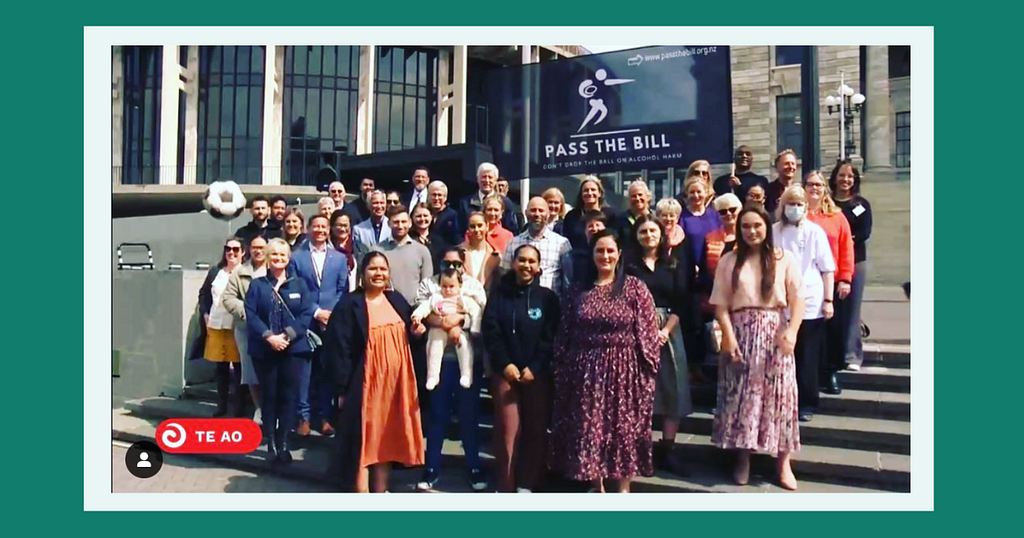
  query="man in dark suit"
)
[
  {"x": 325, "y": 271},
  {"x": 446, "y": 224},
  {"x": 362, "y": 204},
  {"x": 420, "y": 180},
  {"x": 486, "y": 178}
]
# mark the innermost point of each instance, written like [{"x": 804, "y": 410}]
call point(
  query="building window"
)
[
  {"x": 789, "y": 128},
  {"x": 899, "y": 62},
  {"x": 405, "y": 98},
  {"x": 903, "y": 139},
  {"x": 319, "y": 117},
  {"x": 141, "y": 123},
  {"x": 230, "y": 114},
  {"x": 790, "y": 55}
]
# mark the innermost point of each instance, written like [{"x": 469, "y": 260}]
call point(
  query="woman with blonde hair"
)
[
  {"x": 809, "y": 246},
  {"x": 696, "y": 219},
  {"x": 556, "y": 205},
  {"x": 822, "y": 211},
  {"x": 702, "y": 169},
  {"x": 668, "y": 211},
  {"x": 494, "y": 212}
]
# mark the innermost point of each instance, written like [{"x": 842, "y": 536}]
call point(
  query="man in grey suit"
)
[{"x": 374, "y": 230}]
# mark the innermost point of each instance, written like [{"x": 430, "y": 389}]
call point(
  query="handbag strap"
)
[{"x": 284, "y": 304}]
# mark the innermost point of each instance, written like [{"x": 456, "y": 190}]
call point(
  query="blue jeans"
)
[
  {"x": 315, "y": 389},
  {"x": 448, "y": 392}
]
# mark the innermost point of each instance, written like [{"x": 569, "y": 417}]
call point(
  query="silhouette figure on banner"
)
[{"x": 588, "y": 89}]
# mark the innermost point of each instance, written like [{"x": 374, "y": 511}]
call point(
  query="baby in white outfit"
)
[{"x": 449, "y": 301}]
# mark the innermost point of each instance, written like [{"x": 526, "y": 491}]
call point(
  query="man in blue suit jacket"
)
[{"x": 325, "y": 272}]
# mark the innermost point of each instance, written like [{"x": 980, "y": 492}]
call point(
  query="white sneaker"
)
[
  {"x": 258, "y": 417},
  {"x": 523, "y": 490},
  {"x": 853, "y": 367}
]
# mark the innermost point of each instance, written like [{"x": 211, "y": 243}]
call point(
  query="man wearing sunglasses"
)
[
  {"x": 743, "y": 178},
  {"x": 336, "y": 191}
]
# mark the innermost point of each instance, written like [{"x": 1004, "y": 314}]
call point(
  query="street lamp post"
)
[{"x": 846, "y": 103}]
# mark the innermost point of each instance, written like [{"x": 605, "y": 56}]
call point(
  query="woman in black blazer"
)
[{"x": 367, "y": 345}]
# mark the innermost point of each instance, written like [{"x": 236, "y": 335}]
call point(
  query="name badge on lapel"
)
[{"x": 294, "y": 295}]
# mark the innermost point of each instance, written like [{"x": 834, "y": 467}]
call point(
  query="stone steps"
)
[{"x": 878, "y": 378}]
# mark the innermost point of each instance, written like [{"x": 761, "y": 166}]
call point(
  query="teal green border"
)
[{"x": 44, "y": 383}]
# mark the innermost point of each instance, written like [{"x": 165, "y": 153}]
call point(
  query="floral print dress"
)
[{"x": 606, "y": 359}]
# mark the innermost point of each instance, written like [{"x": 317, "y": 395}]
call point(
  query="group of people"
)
[{"x": 374, "y": 321}]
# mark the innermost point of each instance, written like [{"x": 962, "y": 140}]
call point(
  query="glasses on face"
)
[
  {"x": 393, "y": 202},
  {"x": 236, "y": 250},
  {"x": 728, "y": 210},
  {"x": 815, "y": 186},
  {"x": 335, "y": 191},
  {"x": 445, "y": 264}
]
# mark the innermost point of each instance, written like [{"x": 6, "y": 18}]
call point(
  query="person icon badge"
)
[{"x": 143, "y": 459}]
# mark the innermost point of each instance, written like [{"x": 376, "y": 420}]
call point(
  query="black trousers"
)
[
  {"x": 279, "y": 393},
  {"x": 837, "y": 332},
  {"x": 810, "y": 349}
]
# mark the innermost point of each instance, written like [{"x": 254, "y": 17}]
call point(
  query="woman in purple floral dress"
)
[
  {"x": 605, "y": 362},
  {"x": 757, "y": 393}
]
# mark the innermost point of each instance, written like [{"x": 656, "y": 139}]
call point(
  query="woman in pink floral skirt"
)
[{"x": 757, "y": 391}]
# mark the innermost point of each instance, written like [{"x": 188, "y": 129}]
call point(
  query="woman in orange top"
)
[
  {"x": 822, "y": 211},
  {"x": 367, "y": 350},
  {"x": 494, "y": 210}
]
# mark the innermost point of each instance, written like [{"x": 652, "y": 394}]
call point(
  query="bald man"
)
[{"x": 550, "y": 245}]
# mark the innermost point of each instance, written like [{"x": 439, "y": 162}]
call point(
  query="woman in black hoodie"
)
[{"x": 519, "y": 327}]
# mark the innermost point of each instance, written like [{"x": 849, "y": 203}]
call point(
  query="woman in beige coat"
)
[{"x": 234, "y": 302}]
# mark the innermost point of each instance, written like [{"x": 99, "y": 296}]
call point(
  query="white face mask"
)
[{"x": 795, "y": 213}]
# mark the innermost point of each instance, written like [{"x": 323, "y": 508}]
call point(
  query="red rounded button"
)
[{"x": 208, "y": 435}]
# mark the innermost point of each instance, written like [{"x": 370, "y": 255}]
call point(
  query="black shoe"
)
[
  {"x": 477, "y": 480},
  {"x": 284, "y": 456},
  {"x": 429, "y": 480},
  {"x": 806, "y": 416},
  {"x": 271, "y": 450},
  {"x": 674, "y": 464},
  {"x": 831, "y": 385}
]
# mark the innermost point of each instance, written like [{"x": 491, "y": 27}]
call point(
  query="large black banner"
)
[{"x": 654, "y": 107}]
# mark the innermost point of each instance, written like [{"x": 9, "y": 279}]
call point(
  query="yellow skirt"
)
[{"x": 220, "y": 346}]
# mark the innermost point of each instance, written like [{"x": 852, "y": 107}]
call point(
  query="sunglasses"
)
[
  {"x": 232, "y": 249},
  {"x": 451, "y": 265},
  {"x": 728, "y": 210}
]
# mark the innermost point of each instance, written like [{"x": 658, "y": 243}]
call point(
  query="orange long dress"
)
[{"x": 391, "y": 411}]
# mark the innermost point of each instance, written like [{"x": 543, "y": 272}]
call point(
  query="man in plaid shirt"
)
[{"x": 550, "y": 245}]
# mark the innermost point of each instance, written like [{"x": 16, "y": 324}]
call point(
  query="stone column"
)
[
  {"x": 273, "y": 109},
  {"x": 364, "y": 110},
  {"x": 191, "y": 150},
  {"x": 116, "y": 115},
  {"x": 170, "y": 86},
  {"x": 876, "y": 112}
]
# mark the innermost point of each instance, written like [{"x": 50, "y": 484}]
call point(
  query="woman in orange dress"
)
[{"x": 367, "y": 348}]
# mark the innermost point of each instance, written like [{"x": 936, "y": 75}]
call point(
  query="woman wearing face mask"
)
[
  {"x": 295, "y": 228},
  {"x": 278, "y": 310},
  {"x": 812, "y": 254},
  {"x": 606, "y": 357},
  {"x": 822, "y": 211},
  {"x": 481, "y": 258},
  {"x": 845, "y": 183},
  {"x": 590, "y": 198},
  {"x": 519, "y": 327},
  {"x": 220, "y": 338},
  {"x": 234, "y": 301},
  {"x": 670, "y": 283},
  {"x": 341, "y": 240},
  {"x": 757, "y": 391}
]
